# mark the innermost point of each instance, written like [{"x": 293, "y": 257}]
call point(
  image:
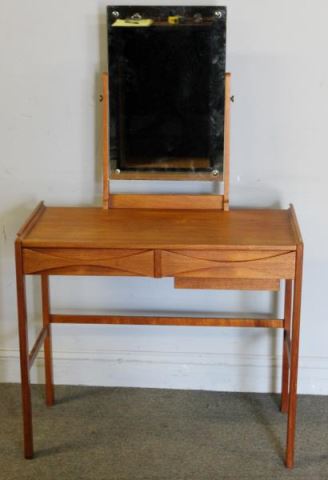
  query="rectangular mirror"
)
[{"x": 166, "y": 88}]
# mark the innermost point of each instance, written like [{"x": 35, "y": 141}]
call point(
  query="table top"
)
[{"x": 94, "y": 227}]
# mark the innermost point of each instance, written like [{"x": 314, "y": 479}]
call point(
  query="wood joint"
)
[{"x": 157, "y": 263}]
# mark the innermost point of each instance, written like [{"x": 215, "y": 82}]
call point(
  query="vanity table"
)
[{"x": 196, "y": 240}]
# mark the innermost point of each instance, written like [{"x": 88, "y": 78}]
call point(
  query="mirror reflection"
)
[{"x": 166, "y": 88}]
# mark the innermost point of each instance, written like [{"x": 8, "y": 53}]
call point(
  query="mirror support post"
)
[
  {"x": 106, "y": 158},
  {"x": 226, "y": 155}
]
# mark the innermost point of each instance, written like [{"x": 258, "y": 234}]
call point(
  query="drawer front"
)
[
  {"x": 66, "y": 261},
  {"x": 227, "y": 264}
]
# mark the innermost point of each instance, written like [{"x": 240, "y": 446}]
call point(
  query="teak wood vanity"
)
[{"x": 194, "y": 239}]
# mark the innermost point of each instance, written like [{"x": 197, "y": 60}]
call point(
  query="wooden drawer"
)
[
  {"x": 66, "y": 261},
  {"x": 273, "y": 264}
]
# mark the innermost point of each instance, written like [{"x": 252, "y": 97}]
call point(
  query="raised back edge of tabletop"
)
[{"x": 40, "y": 208}]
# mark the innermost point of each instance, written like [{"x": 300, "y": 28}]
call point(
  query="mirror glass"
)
[{"x": 166, "y": 88}]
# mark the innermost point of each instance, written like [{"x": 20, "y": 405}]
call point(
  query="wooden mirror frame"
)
[{"x": 167, "y": 201}]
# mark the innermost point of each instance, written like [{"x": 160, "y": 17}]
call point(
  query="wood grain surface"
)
[
  {"x": 227, "y": 284},
  {"x": 94, "y": 227}
]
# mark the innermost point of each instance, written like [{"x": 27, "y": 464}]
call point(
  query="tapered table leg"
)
[
  {"x": 49, "y": 387},
  {"x": 24, "y": 354},
  {"x": 294, "y": 358},
  {"x": 285, "y": 361}
]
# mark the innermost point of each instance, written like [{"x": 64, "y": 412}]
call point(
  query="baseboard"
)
[{"x": 218, "y": 372}]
